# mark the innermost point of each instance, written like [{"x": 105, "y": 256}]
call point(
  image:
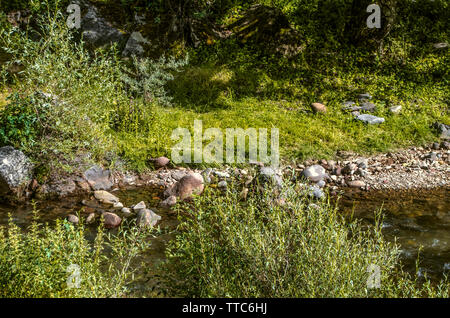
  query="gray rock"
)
[
  {"x": 268, "y": 174},
  {"x": 178, "y": 174},
  {"x": 135, "y": 44},
  {"x": 316, "y": 193},
  {"x": 98, "y": 178},
  {"x": 96, "y": 31},
  {"x": 321, "y": 183},
  {"x": 126, "y": 211},
  {"x": 443, "y": 129},
  {"x": 364, "y": 96},
  {"x": 314, "y": 173},
  {"x": 15, "y": 169},
  {"x": 370, "y": 119},
  {"x": 118, "y": 205},
  {"x": 147, "y": 217},
  {"x": 222, "y": 184},
  {"x": 368, "y": 107},
  {"x": 348, "y": 104}
]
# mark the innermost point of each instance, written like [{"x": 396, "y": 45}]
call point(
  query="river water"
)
[{"x": 413, "y": 218}]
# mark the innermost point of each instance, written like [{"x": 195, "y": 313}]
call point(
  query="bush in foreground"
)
[
  {"x": 231, "y": 248},
  {"x": 59, "y": 261}
]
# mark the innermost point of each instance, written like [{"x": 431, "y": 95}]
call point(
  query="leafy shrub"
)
[
  {"x": 230, "y": 248},
  {"x": 23, "y": 120},
  {"x": 42, "y": 261},
  {"x": 147, "y": 78}
]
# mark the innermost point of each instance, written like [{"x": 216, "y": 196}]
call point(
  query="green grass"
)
[
  {"x": 228, "y": 85},
  {"x": 227, "y": 247}
]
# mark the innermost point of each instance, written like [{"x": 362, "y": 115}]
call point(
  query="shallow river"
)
[{"x": 414, "y": 218}]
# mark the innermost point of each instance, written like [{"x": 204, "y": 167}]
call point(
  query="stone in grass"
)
[
  {"x": 73, "y": 219},
  {"x": 222, "y": 185},
  {"x": 316, "y": 193},
  {"x": 161, "y": 162},
  {"x": 269, "y": 175},
  {"x": 395, "y": 109},
  {"x": 368, "y": 107},
  {"x": 147, "y": 217},
  {"x": 318, "y": 108},
  {"x": 364, "y": 96},
  {"x": 370, "y": 119},
  {"x": 314, "y": 173}
]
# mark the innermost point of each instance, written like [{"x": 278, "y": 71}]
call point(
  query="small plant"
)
[
  {"x": 58, "y": 261},
  {"x": 23, "y": 120},
  {"x": 147, "y": 78}
]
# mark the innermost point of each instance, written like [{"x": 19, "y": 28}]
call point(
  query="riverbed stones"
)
[
  {"x": 147, "y": 217},
  {"x": 314, "y": 173},
  {"x": 126, "y": 211},
  {"x": 140, "y": 206},
  {"x": 191, "y": 184},
  {"x": 370, "y": 119},
  {"x": 168, "y": 202},
  {"x": 118, "y": 205},
  {"x": 318, "y": 108},
  {"x": 98, "y": 178},
  {"x": 111, "y": 220},
  {"x": 356, "y": 184},
  {"x": 106, "y": 197},
  {"x": 15, "y": 170},
  {"x": 90, "y": 218}
]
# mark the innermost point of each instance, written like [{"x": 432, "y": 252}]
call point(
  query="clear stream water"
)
[{"x": 412, "y": 218}]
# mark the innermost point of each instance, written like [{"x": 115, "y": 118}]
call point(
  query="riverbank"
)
[{"x": 412, "y": 168}]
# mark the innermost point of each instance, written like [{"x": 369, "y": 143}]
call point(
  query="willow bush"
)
[{"x": 256, "y": 248}]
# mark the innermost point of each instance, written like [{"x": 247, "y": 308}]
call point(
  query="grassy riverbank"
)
[{"x": 225, "y": 84}]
